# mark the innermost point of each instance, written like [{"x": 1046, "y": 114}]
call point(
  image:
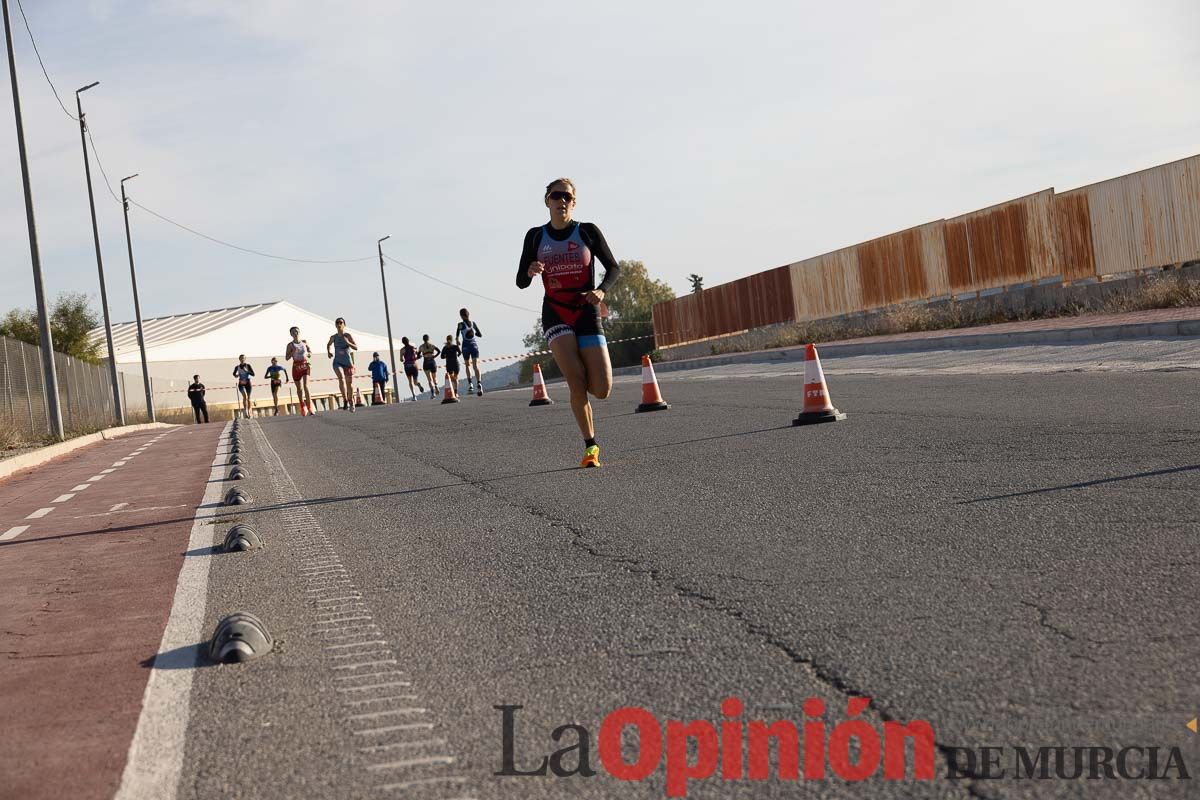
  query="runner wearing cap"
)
[
  {"x": 340, "y": 348},
  {"x": 564, "y": 253},
  {"x": 379, "y": 376},
  {"x": 468, "y": 335},
  {"x": 297, "y": 352}
]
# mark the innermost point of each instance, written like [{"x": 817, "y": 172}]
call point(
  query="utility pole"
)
[
  {"x": 53, "y": 412},
  {"x": 118, "y": 408},
  {"x": 388, "y": 316},
  {"x": 137, "y": 306}
]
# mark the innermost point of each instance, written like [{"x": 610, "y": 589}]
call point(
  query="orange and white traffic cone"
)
[
  {"x": 540, "y": 396},
  {"x": 817, "y": 405},
  {"x": 651, "y": 397},
  {"x": 449, "y": 396},
  {"x": 377, "y": 396}
]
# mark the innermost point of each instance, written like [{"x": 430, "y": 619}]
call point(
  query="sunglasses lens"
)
[{"x": 561, "y": 196}]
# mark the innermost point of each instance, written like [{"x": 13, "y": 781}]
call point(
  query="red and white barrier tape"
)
[{"x": 482, "y": 361}]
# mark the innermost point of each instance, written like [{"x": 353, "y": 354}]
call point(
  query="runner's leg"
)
[
  {"x": 570, "y": 364},
  {"x": 599, "y": 371}
]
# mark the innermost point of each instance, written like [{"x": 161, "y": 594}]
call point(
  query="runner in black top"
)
[
  {"x": 408, "y": 354},
  {"x": 468, "y": 332},
  {"x": 451, "y": 352},
  {"x": 564, "y": 254},
  {"x": 243, "y": 372},
  {"x": 429, "y": 355}
]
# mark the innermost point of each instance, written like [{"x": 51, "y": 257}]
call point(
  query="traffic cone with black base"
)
[
  {"x": 817, "y": 405},
  {"x": 651, "y": 397},
  {"x": 540, "y": 396},
  {"x": 448, "y": 396}
]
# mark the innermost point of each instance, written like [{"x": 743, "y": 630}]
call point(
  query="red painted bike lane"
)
[{"x": 91, "y": 546}]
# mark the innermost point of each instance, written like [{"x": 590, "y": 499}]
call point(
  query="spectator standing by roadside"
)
[
  {"x": 196, "y": 395},
  {"x": 379, "y": 376}
]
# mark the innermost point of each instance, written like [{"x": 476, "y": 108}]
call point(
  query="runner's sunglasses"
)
[{"x": 562, "y": 196}]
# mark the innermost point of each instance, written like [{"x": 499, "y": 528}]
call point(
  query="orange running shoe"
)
[{"x": 591, "y": 457}]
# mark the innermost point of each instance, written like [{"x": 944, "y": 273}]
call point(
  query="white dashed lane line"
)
[
  {"x": 95, "y": 478},
  {"x": 13, "y": 533},
  {"x": 118, "y": 506},
  {"x": 107, "y": 471},
  {"x": 41, "y": 512},
  {"x": 62, "y": 498},
  {"x": 81, "y": 487}
]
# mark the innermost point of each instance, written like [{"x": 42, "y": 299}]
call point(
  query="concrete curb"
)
[
  {"x": 11, "y": 466},
  {"x": 975, "y": 341}
]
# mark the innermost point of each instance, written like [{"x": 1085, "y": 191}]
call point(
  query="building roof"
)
[{"x": 256, "y": 330}]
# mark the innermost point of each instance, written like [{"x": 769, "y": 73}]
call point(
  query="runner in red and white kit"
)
[
  {"x": 564, "y": 254},
  {"x": 297, "y": 352}
]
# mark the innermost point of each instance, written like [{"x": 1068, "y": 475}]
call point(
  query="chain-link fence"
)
[{"x": 84, "y": 392}]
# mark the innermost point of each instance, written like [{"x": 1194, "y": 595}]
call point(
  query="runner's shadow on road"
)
[
  {"x": 1082, "y": 484},
  {"x": 211, "y": 550},
  {"x": 189, "y": 656},
  {"x": 710, "y": 438},
  {"x": 320, "y": 501}
]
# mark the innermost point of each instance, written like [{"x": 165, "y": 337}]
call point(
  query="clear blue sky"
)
[{"x": 711, "y": 137}]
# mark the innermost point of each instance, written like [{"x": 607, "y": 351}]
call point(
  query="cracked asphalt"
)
[{"x": 1010, "y": 557}]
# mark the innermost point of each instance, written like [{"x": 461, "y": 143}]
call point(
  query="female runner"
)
[
  {"x": 564, "y": 253},
  {"x": 339, "y": 348}
]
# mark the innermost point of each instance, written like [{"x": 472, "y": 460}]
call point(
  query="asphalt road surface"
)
[{"x": 1010, "y": 557}]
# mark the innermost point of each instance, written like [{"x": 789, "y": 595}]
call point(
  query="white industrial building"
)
[{"x": 207, "y": 343}]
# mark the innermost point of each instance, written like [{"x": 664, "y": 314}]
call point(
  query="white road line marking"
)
[
  {"x": 388, "y": 685},
  {"x": 362, "y": 655},
  {"x": 389, "y": 713},
  {"x": 356, "y": 644},
  {"x": 412, "y": 726},
  {"x": 389, "y": 698},
  {"x": 155, "y": 758},
  {"x": 81, "y": 487},
  {"x": 118, "y": 506},
  {"x": 424, "y": 782},
  {"x": 62, "y": 498},
  {"x": 13, "y": 533},
  {"x": 95, "y": 478},
  {"x": 107, "y": 471},
  {"x": 362, "y": 675},
  {"x": 379, "y": 748},
  {"x": 334, "y": 599},
  {"x": 335, "y": 621},
  {"x": 41, "y": 512},
  {"x": 119, "y": 463},
  {"x": 413, "y": 762},
  {"x": 367, "y": 663}
]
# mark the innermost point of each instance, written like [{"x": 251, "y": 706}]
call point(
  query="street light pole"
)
[
  {"x": 118, "y": 409},
  {"x": 137, "y": 307},
  {"x": 387, "y": 313},
  {"x": 53, "y": 412}
]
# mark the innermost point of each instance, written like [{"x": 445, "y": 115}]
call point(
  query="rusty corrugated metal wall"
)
[{"x": 1148, "y": 219}]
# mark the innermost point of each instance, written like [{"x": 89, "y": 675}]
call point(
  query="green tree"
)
[
  {"x": 697, "y": 283},
  {"x": 71, "y": 320},
  {"x": 630, "y": 303}
]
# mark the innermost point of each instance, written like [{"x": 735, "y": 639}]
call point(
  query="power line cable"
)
[
  {"x": 96, "y": 153},
  {"x": 249, "y": 250},
  {"x": 43, "y": 66},
  {"x": 459, "y": 288}
]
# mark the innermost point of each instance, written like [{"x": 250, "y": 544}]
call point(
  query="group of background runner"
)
[
  {"x": 564, "y": 253},
  {"x": 463, "y": 343}
]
